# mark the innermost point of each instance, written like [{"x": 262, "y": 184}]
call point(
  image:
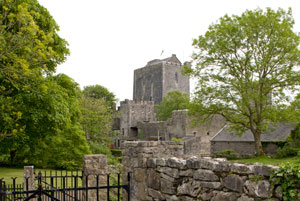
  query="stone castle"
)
[
  {"x": 137, "y": 116},
  {"x": 157, "y": 78},
  {"x": 137, "y": 121}
]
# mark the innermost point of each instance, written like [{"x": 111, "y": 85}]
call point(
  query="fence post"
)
[
  {"x": 2, "y": 191},
  {"x": 29, "y": 173},
  {"x": 95, "y": 164}
]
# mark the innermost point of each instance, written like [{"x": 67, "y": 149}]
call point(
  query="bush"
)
[
  {"x": 116, "y": 152},
  {"x": 175, "y": 139},
  {"x": 287, "y": 179},
  {"x": 98, "y": 148},
  {"x": 227, "y": 153},
  {"x": 287, "y": 151}
]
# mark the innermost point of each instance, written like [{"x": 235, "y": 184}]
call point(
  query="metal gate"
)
[{"x": 66, "y": 188}]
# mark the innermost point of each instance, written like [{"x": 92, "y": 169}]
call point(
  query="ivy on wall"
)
[{"x": 286, "y": 179}]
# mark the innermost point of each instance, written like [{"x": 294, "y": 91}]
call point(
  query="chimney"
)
[{"x": 187, "y": 63}]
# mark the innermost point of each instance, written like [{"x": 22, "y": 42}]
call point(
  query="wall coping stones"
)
[
  {"x": 170, "y": 177},
  {"x": 176, "y": 163}
]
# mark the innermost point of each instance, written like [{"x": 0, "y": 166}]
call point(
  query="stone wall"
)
[
  {"x": 192, "y": 146},
  {"x": 173, "y": 79},
  {"x": 180, "y": 126},
  {"x": 133, "y": 111},
  {"x": 157, "y": 78},
  {"x": 148, "y": 83},
  {"x": 243, "y": 148},
  {"x": 154, "y": 130},
  {"x": 160, "y": 172}
]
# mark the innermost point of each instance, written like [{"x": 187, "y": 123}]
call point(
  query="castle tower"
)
[{"x": 157, "y": 78}]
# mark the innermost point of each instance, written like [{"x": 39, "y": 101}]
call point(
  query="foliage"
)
[
  {"x": 227, "y": 153},
  {"x": 100, "y": 92},
  {"x": 256, "y": 178},
  {"x": 31, "y": 106},
  {"x": 96, "y": 120},
  {"x": 279, "y": 144},
  {"x": 51, "y": 117},
  {"x": 116, "y": 152},
  {"x": 294, "y": 137},
  {"x": 247, "y": 68},
  {"x": 174, "y": 100},
  {"x": 97, "y": 148},
  {"x": 287, "y": 151},
  {"x": 65, "y": 150},
  {"x": 29, "y": 48},
  {"x": 68, "y": 144},
  {"x": 292, "y": 145},
  {"x": 286, "y": 178},
  {"x": 175, "y": 139}
]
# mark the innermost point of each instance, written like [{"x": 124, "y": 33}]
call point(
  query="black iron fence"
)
[{"x": 66, "y": 187}]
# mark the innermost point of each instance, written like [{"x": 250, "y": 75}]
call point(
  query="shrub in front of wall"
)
[
  {"x": 286, "y": 179},
  {"x": 227, "y": 153},
  {"x": 287, "y": 151},
  {"x": 116, "y": 152},
  {"x": 175, "y": 139}
]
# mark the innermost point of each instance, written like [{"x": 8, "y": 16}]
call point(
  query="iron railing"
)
[{"x": 65, "y": 188}]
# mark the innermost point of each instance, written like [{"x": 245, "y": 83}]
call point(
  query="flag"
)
[{"x": 161, "y": 52}]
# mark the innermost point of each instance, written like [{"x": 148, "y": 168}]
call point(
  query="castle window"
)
[{"x": 176, "y": 77}]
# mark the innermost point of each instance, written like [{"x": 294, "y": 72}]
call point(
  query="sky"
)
[{"x": 109, "y": 39}]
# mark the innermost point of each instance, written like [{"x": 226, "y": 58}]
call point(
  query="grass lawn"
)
[
  {"x": 268, "y": 160},
  {"x": 8, "y": 173}
]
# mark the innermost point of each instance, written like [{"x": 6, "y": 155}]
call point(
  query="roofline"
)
[{"x": 219, "y": 132}]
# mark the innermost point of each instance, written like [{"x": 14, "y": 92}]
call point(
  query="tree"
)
[
  {"x": 174, "y": 100},
  {"x": 100, "y": 92},
  {"x": 51, "y": 126},
  {"x": 97, "y": 109},
  {"x": 246, "y": 68},
  {"x": 30, "y": 49},
  {"x": 67, "y": 141},
  {"x": 32, "y": 103},
  {"x": 96, "y": 119}
]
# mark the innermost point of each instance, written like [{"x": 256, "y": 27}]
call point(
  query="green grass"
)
[
  {"x": 8, "y": 173},
  {"x": 268, "y": 160}
]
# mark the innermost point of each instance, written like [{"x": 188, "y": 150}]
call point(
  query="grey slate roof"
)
[{"x": 274, "y": 133}]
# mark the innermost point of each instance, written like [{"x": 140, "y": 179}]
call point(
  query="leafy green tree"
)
[
  {"x": 97, "y": 109},
  {"x": 30, "y": 49},
  {"x": 51, "y": 118},
  {"x": 96, "y": 120},
  {"x": 174, "y": 100},
  {"x": 100, "y": 92},
  {"x": 246, "y": 68},
  {"x": 68, "y": 143},
  {"x": 34, "y": 105}
]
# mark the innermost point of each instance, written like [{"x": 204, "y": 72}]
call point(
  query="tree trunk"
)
[
  {"x": 258, "y": 146},
  {"x": 12, "y": 156}
]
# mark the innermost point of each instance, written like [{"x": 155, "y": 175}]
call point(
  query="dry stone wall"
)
[{"x": 161, "y": 172}]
